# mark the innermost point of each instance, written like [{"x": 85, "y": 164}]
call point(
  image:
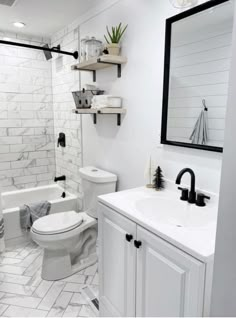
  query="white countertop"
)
[{"x": 197, "y": 240}]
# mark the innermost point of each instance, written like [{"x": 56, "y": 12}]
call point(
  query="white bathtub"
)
[{"x": 12, "y": 201}]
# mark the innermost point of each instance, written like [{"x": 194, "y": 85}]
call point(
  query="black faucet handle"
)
[
  {"x": 201, "y": 199},
  {"x": 61, "y": 141},
  {"x": 184, "y": 194}
]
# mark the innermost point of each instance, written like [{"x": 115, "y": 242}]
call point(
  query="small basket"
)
[{"x": 83, "y": 99}]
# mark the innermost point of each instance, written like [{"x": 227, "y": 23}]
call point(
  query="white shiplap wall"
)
[{"x": 199, "y": 70}]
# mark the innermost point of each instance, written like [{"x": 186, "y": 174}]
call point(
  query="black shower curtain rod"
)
[{"x": 54, "y": 50}]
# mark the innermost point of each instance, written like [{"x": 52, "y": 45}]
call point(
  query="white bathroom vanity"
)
[{"x": 156, "y": 254}]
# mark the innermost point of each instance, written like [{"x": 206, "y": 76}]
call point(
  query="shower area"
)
[{"x": 35, "y": 107}]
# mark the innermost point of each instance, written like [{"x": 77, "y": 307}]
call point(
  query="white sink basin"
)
[
  {"x": 187, "y": 226},
  {"x": 175, "y": 213}
]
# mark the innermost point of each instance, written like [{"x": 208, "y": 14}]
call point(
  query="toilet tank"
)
[{"x": 95, "y": 182}]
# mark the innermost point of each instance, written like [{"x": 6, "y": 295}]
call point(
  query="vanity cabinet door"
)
[
  {"x": 117, "y": 263},
  {"x": 169, "y": 281}
]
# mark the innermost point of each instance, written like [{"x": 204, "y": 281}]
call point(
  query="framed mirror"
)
[{"x": 196, "y": 76}]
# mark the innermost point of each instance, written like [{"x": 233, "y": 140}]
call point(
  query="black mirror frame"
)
[{"x": 169, "y": 22}]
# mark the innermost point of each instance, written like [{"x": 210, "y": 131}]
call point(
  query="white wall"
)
[
  {"x": 124, "y": 150},
  {"x": 224, "y": 280}
]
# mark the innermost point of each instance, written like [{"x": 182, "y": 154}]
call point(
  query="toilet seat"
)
[{"x": 57, "y": 223}]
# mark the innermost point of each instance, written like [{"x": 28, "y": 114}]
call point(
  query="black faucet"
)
[
  {"x": 61, "y": 178},
  {"x": 192, "y": 193}
]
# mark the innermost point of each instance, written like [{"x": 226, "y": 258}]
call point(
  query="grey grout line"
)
[{"x": 5, "y": 310}]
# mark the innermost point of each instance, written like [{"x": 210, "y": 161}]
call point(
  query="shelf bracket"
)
[
  {"x": 93, "y": 71},
  {"x": 110, "y": 63},
  {"x": 118, "y": 119},
  {"x": 95, "y": 119}
]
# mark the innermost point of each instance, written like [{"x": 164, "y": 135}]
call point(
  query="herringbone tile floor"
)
[{"x": 23, "y": 293}]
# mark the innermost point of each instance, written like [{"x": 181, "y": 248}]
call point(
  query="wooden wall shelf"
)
[
  {"x": 100, "y": 63},
  {"x": 102, "y": 111}
]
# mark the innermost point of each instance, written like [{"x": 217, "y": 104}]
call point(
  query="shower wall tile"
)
[
  {"x": 64, "y": 81},
  {"x": 27, "y": 147}
]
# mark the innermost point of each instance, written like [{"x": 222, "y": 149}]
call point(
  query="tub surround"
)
[{"x": 27, "y": 156}]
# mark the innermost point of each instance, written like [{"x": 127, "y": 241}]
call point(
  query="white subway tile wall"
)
[
  {"x": 64, "y": 81},
  {"x": 27, "y": 149}
]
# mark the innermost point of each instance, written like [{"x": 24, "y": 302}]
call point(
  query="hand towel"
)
[
  {"x": 199, "y": 135},
  {"x": 30, "y": 213}
]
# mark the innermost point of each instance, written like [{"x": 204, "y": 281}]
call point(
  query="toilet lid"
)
[{"x": 57, "y": 223}]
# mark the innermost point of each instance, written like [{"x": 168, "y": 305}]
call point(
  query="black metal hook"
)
[{"x": 204, "y": 105}]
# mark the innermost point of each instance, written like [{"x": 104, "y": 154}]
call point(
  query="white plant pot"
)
[{"x": 113, "y": 49}]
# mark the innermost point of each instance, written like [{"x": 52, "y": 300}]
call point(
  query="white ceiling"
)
[{"x": 42, "y": 17}]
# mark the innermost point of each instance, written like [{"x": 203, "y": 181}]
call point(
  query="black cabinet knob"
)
[
  {"x": 129, "y": 237},
  {"x": 137, "y": 244}
]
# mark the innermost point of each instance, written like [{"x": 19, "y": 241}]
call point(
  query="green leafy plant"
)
[{"x": 116, "y": 33}]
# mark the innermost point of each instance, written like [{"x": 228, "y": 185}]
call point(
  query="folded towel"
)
[
  {"x": 103, "y": 101},
  {"x": 32, "y": 212}
]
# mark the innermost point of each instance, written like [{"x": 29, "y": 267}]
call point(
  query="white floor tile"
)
[
  {"x": 88, "y": 279},
  {"x": 86, "y": 311},
  {"x": 60, "y": 305},
  {"x": 78, "y": 299},
  {"x": 36, "y": 279},
  {"x": 9, "y": 254},
  {"x": 17, "y": 279},
  {"x": 14, "y": 311},
  {"x": 23, "y": 254},
  {"x": 95, "y": 280},
  {"x": 51, "y": 296},
  {"x": 17, "y": 289},
  {"x": 80, "y": 279},
  {"x": 95, "y": 289},
  {"x": 28, "y": 260},
  {"x": 11, "y": 269},
  {"x": 43, "y": 288},
  {"x": 74, "y": 288},
  {"x": 23, "y": 293},
  {"x": 33, "y": 268},
  {"x": 10, "y": 261},
  {"x": 72, "y": 311},
  {"x": 22, "y": 301}
]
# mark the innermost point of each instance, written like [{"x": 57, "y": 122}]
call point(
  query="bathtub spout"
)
[{"x": 61, "y": 178}]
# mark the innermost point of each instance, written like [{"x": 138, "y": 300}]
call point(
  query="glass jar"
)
[
  {"x": 94, "y": 48},
  {"x": 83, "y": 49}
]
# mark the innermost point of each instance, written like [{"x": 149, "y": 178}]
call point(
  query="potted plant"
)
[{"x": 113, "y": 38}]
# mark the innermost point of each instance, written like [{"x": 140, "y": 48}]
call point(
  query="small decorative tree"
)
[{"x": 158, "y": 181}]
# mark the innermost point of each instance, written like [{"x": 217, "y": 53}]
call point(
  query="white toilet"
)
[{"x": 69, "y": 238}]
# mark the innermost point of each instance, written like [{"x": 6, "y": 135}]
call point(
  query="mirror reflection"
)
[{"x": 199, "y": 75}]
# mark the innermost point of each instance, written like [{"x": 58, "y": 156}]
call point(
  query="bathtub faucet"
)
[{"x": 61, "y": 178}]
